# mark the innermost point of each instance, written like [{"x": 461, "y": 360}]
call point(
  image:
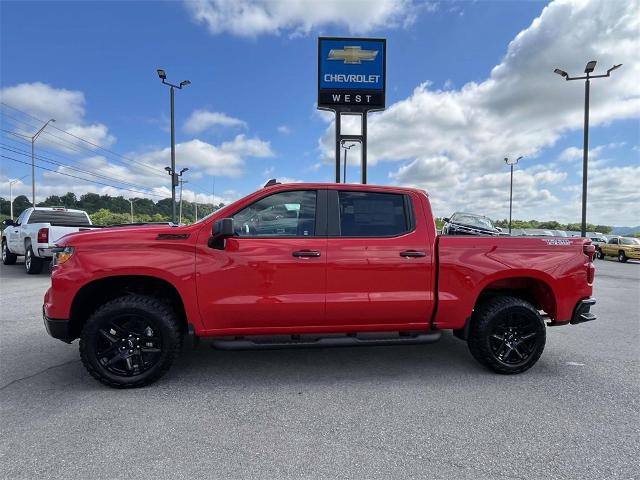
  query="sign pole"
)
[
  {"x": 364, "y": 148},
  {"x": 338, "y": 139}
]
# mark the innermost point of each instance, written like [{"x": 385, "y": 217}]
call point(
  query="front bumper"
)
[
  {"x": 57, "y": 328},
  {"x": 582, "y": 311}
]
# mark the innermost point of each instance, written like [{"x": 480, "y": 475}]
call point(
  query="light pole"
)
[
  {"x": 11, "y": 193},
  {"x": 346, "y": 148},
  {"x": 174, "y": 180},
  {"x": 511, "y": 163},
  {"x": 131, "y": 202},
  {"x": 585, "y": 153},
  {"x": 33, "y": 161}
]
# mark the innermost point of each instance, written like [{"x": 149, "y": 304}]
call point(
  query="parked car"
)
[
  {"x": 36, "y": 230},
  {"x": 622, "y": 247},
  {"x": 538, "y": 232},
  {"x": 598, "y": 241},
  {"x": 469, "y": 224},
  {"x": 364, "y": 266}
]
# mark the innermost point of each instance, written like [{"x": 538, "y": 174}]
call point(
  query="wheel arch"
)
[
  {"x": 96, "y": 293},
  {"x": 534, "y": 290}
]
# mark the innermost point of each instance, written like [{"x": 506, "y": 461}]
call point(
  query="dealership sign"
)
[{"x": 351, "y": 73}]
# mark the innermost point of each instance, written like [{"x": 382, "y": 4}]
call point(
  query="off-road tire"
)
[
  {"x": 155, "y": 312},
  {"x": 485, "y": 319},
  {"x": 600, "y": 255},
  {"x": 8, "y": 258},
  {"x": 32, "y": 264},
  {"x": 622, "y": 258}
]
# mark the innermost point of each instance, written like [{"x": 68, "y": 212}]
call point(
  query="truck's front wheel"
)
[
  {"x": 507, "y": 335},
  {"x": 130, "y": 341}
]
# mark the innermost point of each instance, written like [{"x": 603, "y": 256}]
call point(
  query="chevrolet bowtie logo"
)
[{"x": 352, "y": 55}]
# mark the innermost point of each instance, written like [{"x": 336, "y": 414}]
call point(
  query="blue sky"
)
[{"x": 91, "y": 65}]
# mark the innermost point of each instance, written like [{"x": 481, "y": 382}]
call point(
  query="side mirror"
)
[
  {"x": 445, "y": 219},
  {"x": 220, "y": 230},
  {"x": 7, "y": 222}
]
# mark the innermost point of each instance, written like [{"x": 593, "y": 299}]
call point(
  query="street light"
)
[
  {"x": 589, "y": 68},
  {"x": 511, "y": 163},
  {"x": 11, "y": 182},
  {"x": 344, "y": 145},
  {"x": 33, "y": 161},
  {"x": 174, "y": 182}
]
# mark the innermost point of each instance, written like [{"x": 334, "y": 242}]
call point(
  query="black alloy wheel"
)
[
  {"x": 507, "y": 334},
  {"x": 130, "y": 341}
]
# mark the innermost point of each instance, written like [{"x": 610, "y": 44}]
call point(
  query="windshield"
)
[
  {"x": 629, "y": 241},
  {"x": 472, "y": 220}
]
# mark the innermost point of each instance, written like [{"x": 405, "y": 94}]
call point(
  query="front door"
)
[
  {"x": 271, "y": 276},
  {"x": 379, "y": 261}
]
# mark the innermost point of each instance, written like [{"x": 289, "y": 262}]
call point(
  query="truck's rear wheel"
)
[
  {"x": 600, "y": 254},
  {"x": 8, "y": 258},
  {"x": 507, "y": 335},
  {"x": 32, "y": 264},
  {"x": 130, "y": 341},
  {"x": 622, "y": 258}
]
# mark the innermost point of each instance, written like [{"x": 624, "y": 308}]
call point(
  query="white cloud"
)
[
  {"x": 226, "y": 159},
  {"x": 255, "y": 17},
  {"x": 452, "y": 142},
  {"x": 283, "y": 129},
  {"x": 67, "y": 107},
  {"x": 201, "y": 120}
]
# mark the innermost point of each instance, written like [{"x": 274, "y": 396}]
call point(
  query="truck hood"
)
[{"x": 128, "y": 234}]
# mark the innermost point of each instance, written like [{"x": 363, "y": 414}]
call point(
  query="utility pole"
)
[
  {"x": 172, "y": 170},
  {"x": 33, "y": 161},
  {"x": 11, "y": 194},
  {"x": 511, "y": 164},
  {"x": 131, "y": 202},
  {"x": 182, "y": 182},
  {"x": 196, "y": 205},
  {"x": 588, "y": 70}
]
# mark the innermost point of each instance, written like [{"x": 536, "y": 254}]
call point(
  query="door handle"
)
[
  {"x": 413, "y": 253},
  {"x": 306, "y": 253}
]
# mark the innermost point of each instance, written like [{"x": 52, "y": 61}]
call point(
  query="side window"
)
[
  {"x": 613, "y": 241},
  {"x": 21, "y": 218},
  {"x": 285, "y": 214},
  {"x": 369, "y": 214}
]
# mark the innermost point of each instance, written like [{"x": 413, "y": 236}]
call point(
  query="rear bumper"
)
[
  {"x": 45, "y": 252},
  {"x": 57, "y": 328},
  {"x": 582, "y": 311}
]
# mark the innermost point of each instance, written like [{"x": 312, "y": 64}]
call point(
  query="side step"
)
[{"x": 294, "y": 341}]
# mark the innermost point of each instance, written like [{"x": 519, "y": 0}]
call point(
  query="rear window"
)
[
  {"x": 59, "y": 217},
  {"x": 368, "y": 214}
]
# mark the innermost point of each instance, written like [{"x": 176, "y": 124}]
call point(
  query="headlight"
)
[{"x": 61, "y": 255}]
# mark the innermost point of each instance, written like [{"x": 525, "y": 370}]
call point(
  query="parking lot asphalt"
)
[{"x": 381, "y": 412}]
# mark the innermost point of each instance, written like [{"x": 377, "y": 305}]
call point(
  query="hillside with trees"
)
[{"x": 106, "y": 210}]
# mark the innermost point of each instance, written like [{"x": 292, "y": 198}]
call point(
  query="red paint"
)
[{"x": 256, "y": 286}]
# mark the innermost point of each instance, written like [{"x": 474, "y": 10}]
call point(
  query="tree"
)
[{"x": 20, "y": 203}]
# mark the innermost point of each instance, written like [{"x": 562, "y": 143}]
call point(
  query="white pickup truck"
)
[{"x": 35, "y": 232}]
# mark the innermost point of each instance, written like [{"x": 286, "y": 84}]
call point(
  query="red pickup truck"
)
[{"x": 312, "y": 265}]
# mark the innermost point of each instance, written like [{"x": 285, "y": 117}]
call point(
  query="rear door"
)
[{"x": 379, "y": 264}]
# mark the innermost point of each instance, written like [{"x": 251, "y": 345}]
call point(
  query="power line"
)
[
  {"x": 74, "y": 146},
  {"x": 84, "y": 140},
  {"x": 80, "y": 178},
  {"x": 55, "y": 162}
]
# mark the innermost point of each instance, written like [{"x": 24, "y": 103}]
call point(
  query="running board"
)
[{"x": 244, "y": 343}]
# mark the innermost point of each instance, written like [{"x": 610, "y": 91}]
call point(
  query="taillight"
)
[
  {"x": 43, "y": 235},
  {"x": 589, "y": 250}
]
